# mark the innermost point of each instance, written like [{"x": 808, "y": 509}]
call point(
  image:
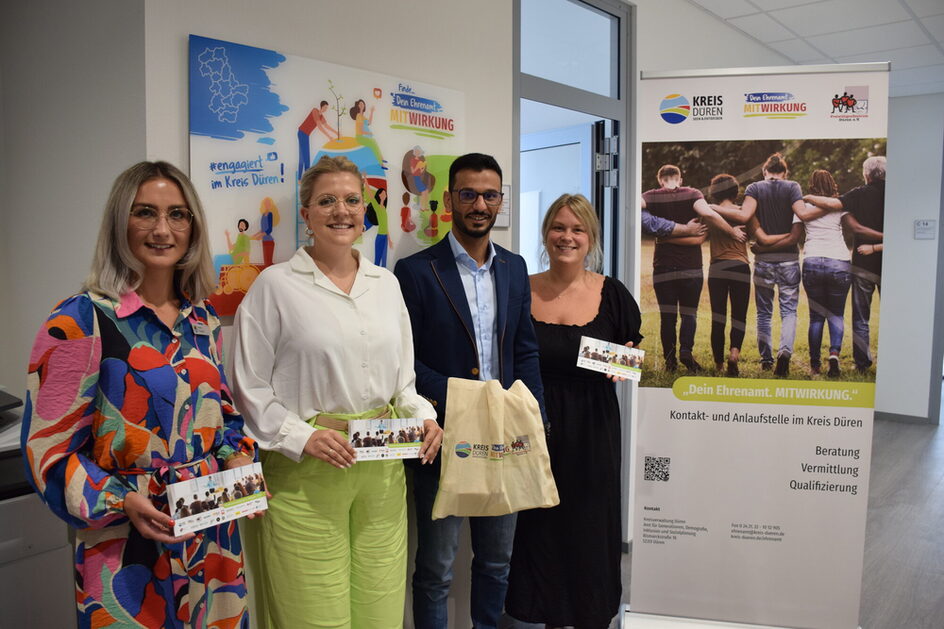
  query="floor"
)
[
  {"x": 903, "y": 575},
  {"x": 903, "y": 582}
]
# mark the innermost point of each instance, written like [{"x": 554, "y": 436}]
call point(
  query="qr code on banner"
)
[{"x": 657, "y": 468}]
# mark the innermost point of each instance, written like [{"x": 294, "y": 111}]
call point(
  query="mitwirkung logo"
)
[
  {"x": 676, "y": 108},
  {"x": 852, "y": 105},
  {"x": 775, "y": 105}
]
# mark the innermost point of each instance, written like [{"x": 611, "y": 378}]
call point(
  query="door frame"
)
[{"x": 622, "y": 108}]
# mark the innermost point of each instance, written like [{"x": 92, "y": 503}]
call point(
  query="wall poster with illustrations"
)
[{"x": 259, "y": 119}]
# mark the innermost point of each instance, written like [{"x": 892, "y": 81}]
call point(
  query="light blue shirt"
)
[{"x": 479, "y": 285}]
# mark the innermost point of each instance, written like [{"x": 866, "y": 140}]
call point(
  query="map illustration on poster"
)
[{"x": 259, "y": 119}]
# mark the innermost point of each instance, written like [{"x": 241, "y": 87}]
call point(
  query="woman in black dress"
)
[{"x": 565, "y": 569}]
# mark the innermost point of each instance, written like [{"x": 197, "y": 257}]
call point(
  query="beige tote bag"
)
[{"x": 494, "y": 455}]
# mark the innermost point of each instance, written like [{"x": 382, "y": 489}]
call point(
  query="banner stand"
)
[{"x": 753, "y": 435}]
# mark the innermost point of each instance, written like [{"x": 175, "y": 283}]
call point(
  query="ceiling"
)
[{"x": 908, "y": 33}]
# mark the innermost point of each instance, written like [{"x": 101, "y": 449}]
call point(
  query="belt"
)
[
  {"x": 338, "y": 421},
  {"x": 160, "y": 475}
]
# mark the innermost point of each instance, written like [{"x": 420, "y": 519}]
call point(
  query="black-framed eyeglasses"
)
[
  {"x": 145, "y": 217},
  {"x": 492, "y": 198}
]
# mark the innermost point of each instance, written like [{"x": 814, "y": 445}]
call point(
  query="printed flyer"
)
[
  {"x": 380, "y": 439},
  {"x": 209, "y": 500},
  {"x": 762, "y": 214},
  {"x": 610, "y": 358}
]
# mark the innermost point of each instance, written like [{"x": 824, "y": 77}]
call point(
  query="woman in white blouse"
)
[{"x": 321, "y": 339}]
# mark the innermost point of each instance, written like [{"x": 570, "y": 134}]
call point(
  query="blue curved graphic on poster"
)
[{"x": 230, "y": 91}]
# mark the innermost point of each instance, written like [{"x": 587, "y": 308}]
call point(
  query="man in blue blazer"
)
[{"x": 470, "y": 309}]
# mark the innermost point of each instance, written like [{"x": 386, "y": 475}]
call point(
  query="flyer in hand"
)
[
  {"x": 379, "y": 439},
  {"x": 610, "y": 358},
  {"x": 206, "y": 501}
]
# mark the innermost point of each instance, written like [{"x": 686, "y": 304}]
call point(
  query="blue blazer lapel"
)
[
  {"x": 502, "y": 283},
  {"x": 447, "y": 274}
]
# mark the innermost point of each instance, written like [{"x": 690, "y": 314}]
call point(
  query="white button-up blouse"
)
[{"x": 304, "y": 347}]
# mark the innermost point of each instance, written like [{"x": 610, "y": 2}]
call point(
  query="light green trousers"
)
[{"x": 331, "y": 550}]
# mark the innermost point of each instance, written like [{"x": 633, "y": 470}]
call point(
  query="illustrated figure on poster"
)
[
  {"x": 269, "y": 219},
  {"x": 865, "y": 217},
  {"x": 315, "y": 121},
  {"x": 362, "y": 133},
  {"x": 419, "y": 182},
  {"x": 239, "y": 250},
  {"x": 774, "y": 205},
  {"x": 377, "y": 215},
  {"x": 837, "y": 104},
  {"x": 406, "y": 221},
  {"x": 420, "y": 178},
  {"x": 677, "y": 268}
]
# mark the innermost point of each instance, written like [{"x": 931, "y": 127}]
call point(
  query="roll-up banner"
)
[{"x": 763, "y": 204}]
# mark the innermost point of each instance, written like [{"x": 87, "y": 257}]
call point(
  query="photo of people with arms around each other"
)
[
  {"x": 470, "y": 307},
  {"x": 774, "y": 205},
  {"x": 126, "y": 394},
  {"x": 863, "y": 213},
  {"x": 323, "y": 339},
  {"x": 677, "y": 273},
  {"x": 812, "y": 252},
  {"x": 729, "y": 276},
  {"x": 826, "y": 273},
  {"x": 557, "y": 578}
]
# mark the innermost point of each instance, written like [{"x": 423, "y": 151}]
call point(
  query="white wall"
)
[
  {"x": 461, "y": 45},
  {"x": 911, "y": 268},
  {"x": 72, "y": 119}
]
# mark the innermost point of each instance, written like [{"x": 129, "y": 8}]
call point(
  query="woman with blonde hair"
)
[
  {"x": 558, "y": 578},
  {"x": 127, "y": 394},
  {"x": 322, "y": 339}
]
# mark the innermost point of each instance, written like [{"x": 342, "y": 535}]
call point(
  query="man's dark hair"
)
[
  {"x": 668, "y": 170},
  {"x": 473, "y": 161},
  {"x": 723, "y": 187}
]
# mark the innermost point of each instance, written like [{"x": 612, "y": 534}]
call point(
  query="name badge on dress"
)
[{"x": 199, "y": 327}]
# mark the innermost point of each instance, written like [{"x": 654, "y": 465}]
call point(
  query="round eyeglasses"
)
[
  {"x": 178, "y": 218},
  {"x": 492, "y": 198},
  {"x": 351, "y": 203}
]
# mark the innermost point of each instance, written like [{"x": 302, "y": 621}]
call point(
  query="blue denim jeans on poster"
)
[
  {"x": 863, "y": 286},
  {"x": 437, "y": 542},
  {"x": 785, "y": 277},
  {"x": 826, "y": 282}
]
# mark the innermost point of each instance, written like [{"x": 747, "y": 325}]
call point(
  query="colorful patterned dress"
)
[{"x": 117, "y": 402}]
